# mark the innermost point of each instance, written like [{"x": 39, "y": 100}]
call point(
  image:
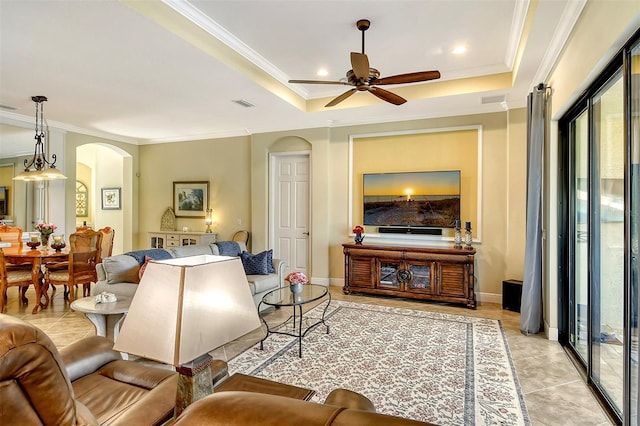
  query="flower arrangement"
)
[
  {"x": 296, "y": 278},
  {"x": 358, "y": 229},
  {"x": 46, "y": 228}
]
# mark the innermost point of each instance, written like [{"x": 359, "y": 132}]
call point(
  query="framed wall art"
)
[
  {"x": 111, "y": 199},
  {"x": 190, "y": 199}
]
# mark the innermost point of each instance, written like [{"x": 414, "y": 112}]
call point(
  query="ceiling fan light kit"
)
[{"x": 364, "y": 78}]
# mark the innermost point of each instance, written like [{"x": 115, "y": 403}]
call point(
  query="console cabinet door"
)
[
  {"x": 362, "y": 272},
  {"x": 452, "y": 278},
  {"x": 421, "y": 277}
]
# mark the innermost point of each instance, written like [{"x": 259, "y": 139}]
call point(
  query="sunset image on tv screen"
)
[{"x": 412, "y": 199}]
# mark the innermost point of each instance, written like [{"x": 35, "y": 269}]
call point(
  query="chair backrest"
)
[
  {"x": 84, "y": 248},
  {"x": 11, "y": 234},
  {"x": 108, "y": 234},
  {"x": 242, "y": 237},
  {"x": 3, "y": 270},
  {"x": 35, "y": 384},
  {"x": 83, "y": 228}
]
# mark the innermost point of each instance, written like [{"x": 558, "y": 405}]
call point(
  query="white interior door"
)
[{"x": 290, "y": 218}]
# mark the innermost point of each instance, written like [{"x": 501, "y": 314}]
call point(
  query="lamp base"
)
[{"x": 194, "y": 382}]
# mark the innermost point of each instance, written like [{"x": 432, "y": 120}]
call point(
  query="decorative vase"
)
[
  {"x": 359, "y": 238},
  {"x": 44, "y": 238},
  {"x": 296, "y": 288}
]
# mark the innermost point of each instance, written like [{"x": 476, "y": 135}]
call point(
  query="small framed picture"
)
[
  {"x": 190, "y": 199},
  {"x": 111, "y": 199}
]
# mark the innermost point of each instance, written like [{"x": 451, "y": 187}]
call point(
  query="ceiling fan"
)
[{"x": 362, "y": 77}]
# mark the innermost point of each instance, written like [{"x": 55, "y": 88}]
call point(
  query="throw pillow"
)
[
  {"x": 147, "y": 259},
  {"x": 255, "y": 264},
  {"x": 270, "y": 261}
]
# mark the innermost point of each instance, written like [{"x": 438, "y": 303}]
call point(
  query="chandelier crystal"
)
[{"x": 40, "y": 168}]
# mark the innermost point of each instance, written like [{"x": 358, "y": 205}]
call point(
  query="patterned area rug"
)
[{"x": 434, "y": 367}]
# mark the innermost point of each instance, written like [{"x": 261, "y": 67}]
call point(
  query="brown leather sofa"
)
[
  {"x": 341, "y": 408},
  {"x": 85, "y": 383}
]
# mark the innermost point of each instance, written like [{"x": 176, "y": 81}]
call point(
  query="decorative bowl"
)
[
  {"x": 33, "y": 244},
  {"x": 58, "y": 246}
]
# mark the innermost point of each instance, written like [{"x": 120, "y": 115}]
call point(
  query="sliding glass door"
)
[
  {"x": 601, "y": 228},
  {"x": 579, "y": 294},
  {"x": 607, "y": 240},
  {"x": 634, "y": 231}
]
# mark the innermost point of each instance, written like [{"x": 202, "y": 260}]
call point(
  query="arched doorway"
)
[{"x": 101, "y": 167}]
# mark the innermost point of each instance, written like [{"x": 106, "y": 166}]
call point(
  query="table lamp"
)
[{"x": 183, "y": 309}]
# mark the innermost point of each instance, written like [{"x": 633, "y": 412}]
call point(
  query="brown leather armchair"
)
[
  {"x": 341, "y": 408},
  {"x": 85, "y": 383}
]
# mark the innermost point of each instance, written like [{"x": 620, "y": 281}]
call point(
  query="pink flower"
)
[
  {"x": 358, "y": 229},
  {"x": 297, "y": 278},
  {"x": 46, "y": 228}
]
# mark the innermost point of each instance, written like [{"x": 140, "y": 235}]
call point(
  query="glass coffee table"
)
[{"x": 293, "y": 326}]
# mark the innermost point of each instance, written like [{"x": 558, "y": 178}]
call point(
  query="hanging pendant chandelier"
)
[{"x": 40, "y": 168}]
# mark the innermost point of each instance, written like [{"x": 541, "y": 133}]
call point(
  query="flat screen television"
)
[{"x": 419, "y": 199}]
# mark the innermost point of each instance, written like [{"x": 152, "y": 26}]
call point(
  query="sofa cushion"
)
[
  {"x": 195, "y": 250},
  {"x": 229, "y": 248},
  {"x": 260, "y": 283},
  {"x": 255, "y": 264},
  {"x": 155, "y": 254},
  {"x": 214, "y": 249},
  {"x": 121, "y": 268}
]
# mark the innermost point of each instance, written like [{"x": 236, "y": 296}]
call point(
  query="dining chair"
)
[
  {"x": 242, "y": 237},
  {"x": 80, "y": 269},
  {"x": 13, "y": 235},
  {"x": 108, "y": 234},
  {"x": 18, "y": 277}
]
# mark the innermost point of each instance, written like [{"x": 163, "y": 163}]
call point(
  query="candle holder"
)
[
  {"x": 33, "y": 244},
  {"x": 58, "y": 246},
  {"x": 468, "y": 237},
  {"x": 457, "y": 236},
  {"x": 57, "y": 242}
]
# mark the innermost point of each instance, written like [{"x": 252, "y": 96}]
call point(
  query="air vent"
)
[
  {"x": 492, "y": 99},
  {"x": 244, "y": 103}
]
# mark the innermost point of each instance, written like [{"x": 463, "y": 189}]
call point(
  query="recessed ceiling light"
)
[
  {"x": 323, "y": 72},
  {"x": 459, "y": 50}
]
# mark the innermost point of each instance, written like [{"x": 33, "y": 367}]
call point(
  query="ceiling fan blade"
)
[
  {"x": 387, "y": 96},
  {"x": 341, "y": 98},
  {"x": 318, "y": 82},
  {"x": 360, "y": 65},
  {"x": 413, "y": 77}
]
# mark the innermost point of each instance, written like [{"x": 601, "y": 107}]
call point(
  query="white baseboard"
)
[
  {"x": 551, "y": 332},
  {"x": 321, "y": 281},
  {"x": 489, "y": 298}
]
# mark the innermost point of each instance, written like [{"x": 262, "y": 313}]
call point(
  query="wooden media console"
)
[{"x": 438, "y": 274}]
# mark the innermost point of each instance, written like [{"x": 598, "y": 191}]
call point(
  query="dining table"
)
[{"x": 37, "y": 257}]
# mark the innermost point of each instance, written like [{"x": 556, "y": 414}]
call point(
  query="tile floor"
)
[{"x": 554, "y": 392}]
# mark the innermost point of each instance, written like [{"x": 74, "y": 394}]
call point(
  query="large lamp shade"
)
[{"x": 186, "y": 307}]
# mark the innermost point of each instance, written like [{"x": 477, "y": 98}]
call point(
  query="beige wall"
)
[
  {"x": 432, "y": 151},
  {"x": 224, "y": 162},
  {"x": 330, "y": 199}
]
